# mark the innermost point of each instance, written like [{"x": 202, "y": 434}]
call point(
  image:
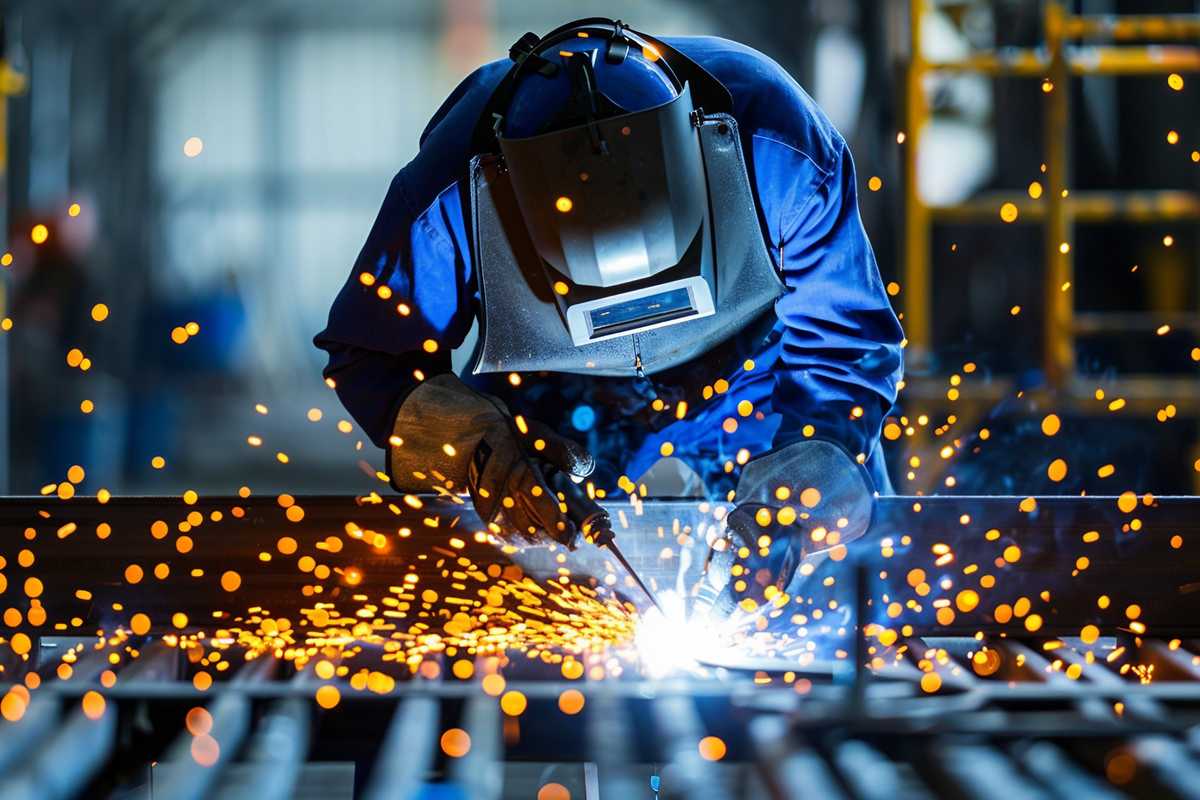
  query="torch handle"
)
[{"x": 589, "y": 517}]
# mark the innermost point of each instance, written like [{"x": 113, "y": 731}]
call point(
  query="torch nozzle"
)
[
  {"x": 598, "y": 530},
  {"x": 616, "y": 551},
  {"x": 593, "y": 522}
]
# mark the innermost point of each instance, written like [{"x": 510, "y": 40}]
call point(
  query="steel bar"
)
[
  {"x": 407, "y": 751},
  {"x": 1083, "y": 206},
  {"x": 1143, "y": 394},
  {"x": 994, "y": 730},
  {"x": 479, "y": 773},
  {"x": 1115, "y": 322},
  {"x": 257, "y": 670},
  {"x": 24, "y": 736},
  {"x": 871, "y": 775},
  {"x": 1078, "y": 61},
  {"x": 63, "y": 766},
  {"x": 1175, "y": 770},
  {"x": 1056, "y": 771},
  {"x": 187, "y": 775},
  {"x": 1058, "y": 342},
  {"x": 790, "y": 769},
  {"x": 275, "y": 755},
  {"x": 678, "y": 726},
  {"x": 918, "y": 265},
  {"x": 1019, "y": 662},
  {"x": 976, "y": 771},
  {"x": 610, "y": 740},
  {"x": 157, "y": 663},
  {"x": 85, "y": 669},
  {"x": 952, "y": 675}
]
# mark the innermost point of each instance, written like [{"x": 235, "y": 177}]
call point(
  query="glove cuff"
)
[{"x": 436, "y": 431}]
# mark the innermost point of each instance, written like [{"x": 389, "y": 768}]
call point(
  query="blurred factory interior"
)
[{"x": 1030, "y": 187}]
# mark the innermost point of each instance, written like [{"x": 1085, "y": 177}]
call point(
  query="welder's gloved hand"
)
[
  {"x": 791, "y": 503},
  {"x": 448, "y": 436}
]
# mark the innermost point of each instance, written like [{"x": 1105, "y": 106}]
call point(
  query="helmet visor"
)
[{"x": 616, "y": 200}]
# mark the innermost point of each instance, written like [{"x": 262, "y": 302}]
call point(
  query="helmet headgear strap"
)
[
  {"x": 618, "y": 44},
  {"x": 525, "y": 50},
  {"x": 584, "y": 95},
  {"x": 707, "y": 90}
]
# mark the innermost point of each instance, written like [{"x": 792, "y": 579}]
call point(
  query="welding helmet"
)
[{"x": 592, "y": 208}]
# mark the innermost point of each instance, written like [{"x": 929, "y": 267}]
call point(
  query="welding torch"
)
[{"x": 593, "y": 522}]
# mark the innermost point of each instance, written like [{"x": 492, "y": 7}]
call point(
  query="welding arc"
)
[{"x": 592, "y": 521}]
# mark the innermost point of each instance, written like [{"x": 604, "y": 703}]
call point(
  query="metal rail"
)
[{"x": 1028, "y": 732}]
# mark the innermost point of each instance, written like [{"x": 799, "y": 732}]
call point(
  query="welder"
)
[{"x": 660, "y": 242}]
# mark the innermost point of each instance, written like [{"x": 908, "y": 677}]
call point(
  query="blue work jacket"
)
[{"x": 829, "y": 367}]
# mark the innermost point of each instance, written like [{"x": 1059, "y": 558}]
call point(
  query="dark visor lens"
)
[{"x": 616, "y": 201}]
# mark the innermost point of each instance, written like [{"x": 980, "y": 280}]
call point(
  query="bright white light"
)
[{"x": 669, "y": 641}]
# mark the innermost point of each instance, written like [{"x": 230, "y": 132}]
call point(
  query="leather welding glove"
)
[
  {"x": 792, "y": 502},
  {"x": 449, "y": 436}
]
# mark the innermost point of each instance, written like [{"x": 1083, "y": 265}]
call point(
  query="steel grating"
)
[
  {"x": 1032, "y": 732},
  {"x": 1014, "y": 713}
]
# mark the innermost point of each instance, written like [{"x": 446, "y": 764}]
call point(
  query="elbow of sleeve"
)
[{"x": 372, "y": 386}]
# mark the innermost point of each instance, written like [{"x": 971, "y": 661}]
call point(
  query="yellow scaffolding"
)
[{"x": 1067, "y": 52}]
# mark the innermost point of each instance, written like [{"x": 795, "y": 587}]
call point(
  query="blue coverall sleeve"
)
[
  {"x": 411, "y": 291},
  {"x": 840, "y": 358}
]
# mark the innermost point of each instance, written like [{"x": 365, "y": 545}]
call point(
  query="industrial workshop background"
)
[{"x": 208, "y": 169}]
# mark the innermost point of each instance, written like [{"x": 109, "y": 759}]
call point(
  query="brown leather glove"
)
[
  {"x": 791, "y": 503},
  {"x": 452, "y": 437}
]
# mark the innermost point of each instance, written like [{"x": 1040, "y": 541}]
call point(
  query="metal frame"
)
[{"x": 1058, "y": 61}]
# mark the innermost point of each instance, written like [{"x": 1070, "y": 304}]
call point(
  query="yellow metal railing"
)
[{"x": 1065, "y": 54}]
